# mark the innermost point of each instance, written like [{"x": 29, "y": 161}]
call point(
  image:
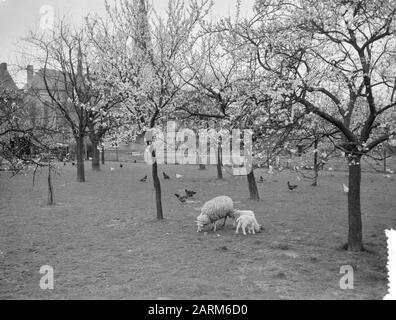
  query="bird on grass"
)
[
  {"x": 291, "y": 186},
  {"x": 182, "y": 199},
  {"x": 261, "y": 179},
  {"x": 144, "y": 179},
  {"x": 178, "y": 176},
  {"x": 134, "y": 161},
  {"x": 346, "y": 189},
  {"x": 189, "y": 193},
  {"x": 73, "y": 164},
  {"x": 166, "y": 177},
  {"x": 121, "y": 165},
  {"x": 64, "y": 163},
  {"x": 112, "y": 169}
]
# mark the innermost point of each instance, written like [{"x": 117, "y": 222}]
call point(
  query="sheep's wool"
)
[
  {"x": 249, "y": 220},
  {"x": 238, "y": 213},
  {"x": 217, "y": 208}
]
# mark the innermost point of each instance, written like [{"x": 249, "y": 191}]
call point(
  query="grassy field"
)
[{"x": 103, "y": 240}]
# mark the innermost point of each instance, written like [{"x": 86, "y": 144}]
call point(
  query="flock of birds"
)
[
  {"x": 182, "y": 199},
  {"x": 190, "y": 193},
  {"x": 289, "y": 185},
  {"x": 166, "y": 177},
  {"x": 294, "y": 186}
]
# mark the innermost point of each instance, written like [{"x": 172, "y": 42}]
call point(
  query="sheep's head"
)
[
  {"x": 257, "y": 227},
  {"x": 202, "y": 220},
  {"x": 235, "y": 214}
]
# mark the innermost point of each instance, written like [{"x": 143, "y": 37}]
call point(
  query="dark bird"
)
[
  {"x": 291, "y": 186},
  {"x": 134, "y": 161},
  {"x": 166, "y": 177},
  {"x": 261, "y": 179},
  {"x": 64, "y": 163},
  {"x": 144, "y": 179},
  {"x": 73, "y": 164},
  {"x": 189, "y": 193},
  {"x": 181, "y": 198},
  {"x": 121, "y": 165}
]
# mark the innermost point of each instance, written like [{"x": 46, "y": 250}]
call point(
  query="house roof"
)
[{"x": 55, "y": 80}]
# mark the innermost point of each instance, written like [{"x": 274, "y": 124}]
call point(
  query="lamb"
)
[
  {"x": 237, "y": 213},
  {"x": 213, "y": 210},
  {"x": 247, "y": 221}
]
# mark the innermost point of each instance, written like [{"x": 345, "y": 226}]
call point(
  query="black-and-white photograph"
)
[{"x": 197, "y": 150}]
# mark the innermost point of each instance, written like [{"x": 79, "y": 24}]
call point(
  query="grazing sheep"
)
[
  {"x": 249, "y": 222},
  {"x": 213, "y": 210},
  {"x": 237, "y": 213}
]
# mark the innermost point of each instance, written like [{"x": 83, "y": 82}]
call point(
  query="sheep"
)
[
  {"x": 213, "y": 210},
  {"x": 247, "y": 221},
  {"x": 237, "y": 213}
]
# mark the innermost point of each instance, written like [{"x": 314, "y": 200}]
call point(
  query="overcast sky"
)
[{"x": 17, "y": 17}]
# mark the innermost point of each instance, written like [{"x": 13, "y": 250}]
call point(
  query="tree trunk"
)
[
  {"x": 219, "y": 168},
  {"x": 354, "y": 213},
  {"x": 385, "y": 160},
  {"x": 95, "y": 155},
  {"x": 201, "y": 165},
  {"x": 80, "y": 159},
  {"x": 157, "y": 187},
  {"x": 86, "y": 149},
  {"x": 253, "y": 191},
  {"x": 51, "y": 196},
  {"x": 103, "y": 156},
  {"x": 316, "y": 165}
]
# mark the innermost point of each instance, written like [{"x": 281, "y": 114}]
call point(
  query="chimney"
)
[
  {"x": 29, "y": 70},
  {"x": 3, "y": 67}
]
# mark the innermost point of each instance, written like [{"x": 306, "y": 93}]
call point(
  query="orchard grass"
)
[{"x": 104, "y": 242}]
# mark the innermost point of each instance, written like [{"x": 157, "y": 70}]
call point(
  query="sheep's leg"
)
[
  {"x": 243, "y": 226},
  {"x": 225, "y": 218},
  {"x": 237, "y": 228},
  {"x": 214, "y": 227}
]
